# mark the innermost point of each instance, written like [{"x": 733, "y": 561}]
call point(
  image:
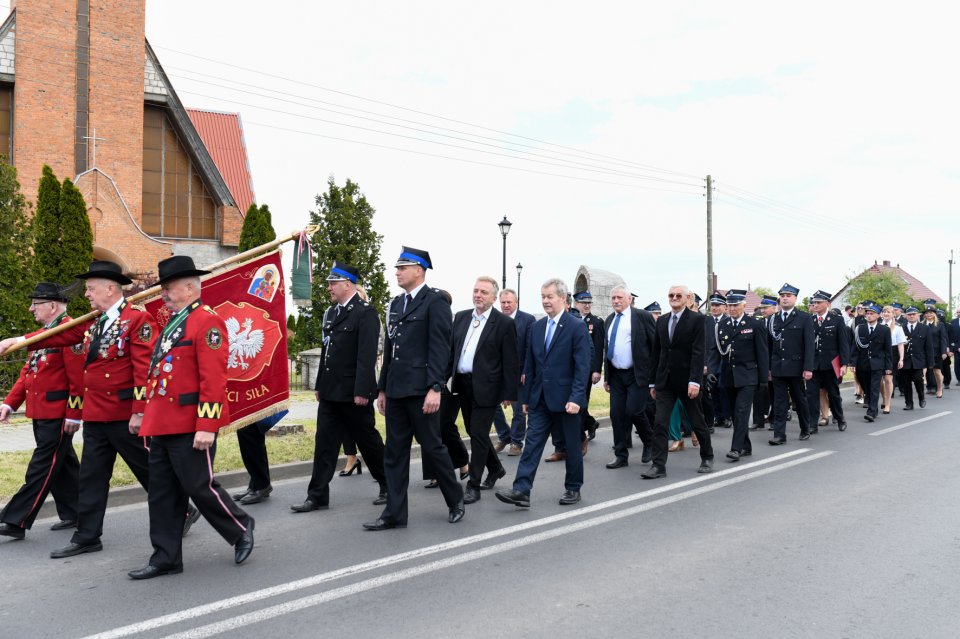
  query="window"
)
[
  {"x": 6, "y": 122},
  {"x": 175, "y": 201}
]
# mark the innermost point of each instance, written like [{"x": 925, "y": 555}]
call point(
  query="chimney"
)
[{"x": 886, "y": 262}]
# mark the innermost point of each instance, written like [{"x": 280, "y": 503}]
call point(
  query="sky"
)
[{"x": 829, "y": 130}]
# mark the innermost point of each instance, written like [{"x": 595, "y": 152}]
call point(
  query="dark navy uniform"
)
[
  {"x": 831, "y": 351},
  {"x": 416, "y": 355},
  {"x": 791, "y": 355},
  {"x": 351, "y": 334},
  {"x": 595, "y": 326},
  {"x": 871, "y": 358},
  {"x": 918, "y": 354},
  {"x": 743, "y": 344}
]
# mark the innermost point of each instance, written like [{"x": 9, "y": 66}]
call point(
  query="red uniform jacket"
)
[
  {"x": 50, "y": 383},
  {"x": 187, "y": 384},
  {"x": 115, "y": 375}
]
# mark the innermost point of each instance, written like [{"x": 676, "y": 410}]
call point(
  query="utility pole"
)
[
  {"x": 950, "y": 294},
  {"x": 709, "y": 237}
]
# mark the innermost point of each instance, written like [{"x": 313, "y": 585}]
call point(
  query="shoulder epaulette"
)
[
  {"x": 138, "y": 307},
  {"x": 209, "y": 310}
]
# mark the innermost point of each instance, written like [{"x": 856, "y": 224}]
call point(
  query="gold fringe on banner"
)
[{"x": 255, "y": 417}]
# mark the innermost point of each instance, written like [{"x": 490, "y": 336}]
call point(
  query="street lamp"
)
[
  {"x": 519, "y": 268},
  {"x": 505, "y": 225}
]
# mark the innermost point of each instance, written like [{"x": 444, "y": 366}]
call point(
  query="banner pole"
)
[{"x": 155, "y": 290}]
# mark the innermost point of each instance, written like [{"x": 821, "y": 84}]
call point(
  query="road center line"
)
[
  {"x": 315, "y": 580},
  {"x": 913, "y": 423},
  {"x": 243, "y": 621}
]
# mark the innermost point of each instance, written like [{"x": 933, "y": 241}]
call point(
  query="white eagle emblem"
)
[{"x": 244, "y": 344}]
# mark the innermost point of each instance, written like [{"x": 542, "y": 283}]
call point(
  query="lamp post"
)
[
  {"x": 504, "y": 225},
  {"x": 519, "y": 268}
]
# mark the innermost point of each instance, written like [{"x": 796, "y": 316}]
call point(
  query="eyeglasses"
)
[{"x": 675, "y": 296}]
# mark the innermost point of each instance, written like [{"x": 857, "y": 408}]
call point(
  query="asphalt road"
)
[{"x": 853, "y": 534}]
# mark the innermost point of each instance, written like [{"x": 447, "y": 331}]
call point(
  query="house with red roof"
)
[{"x": 916, "y": 290}]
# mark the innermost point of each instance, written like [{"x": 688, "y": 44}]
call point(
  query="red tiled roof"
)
[
  {"x": 222, "y": 134},
  {"x": 752, "y": 301},
  {"x": 916, "y": 289}
]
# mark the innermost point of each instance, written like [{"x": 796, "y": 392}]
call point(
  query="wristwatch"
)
[{"x": 437, "y": 387}]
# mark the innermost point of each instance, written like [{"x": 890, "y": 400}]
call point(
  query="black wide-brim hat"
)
[
  {"x": 176, "y": 267},
  {"x": 105, "y": 270},
  {"x": 49, "y": 291}
]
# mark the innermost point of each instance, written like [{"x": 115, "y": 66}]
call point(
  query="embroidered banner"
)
[{"x": 251, "y": 299}]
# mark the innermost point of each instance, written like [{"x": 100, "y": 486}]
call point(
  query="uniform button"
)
[
  {"x": 108, "y": 392},
  {"x": 107, "y": 375},
  {"x": 86, "y": 389}
]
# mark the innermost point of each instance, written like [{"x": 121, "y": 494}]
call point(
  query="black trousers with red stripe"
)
[
  {"x": 178, "y": 471},
  {"x": 53, "y": 468},
  {"x": 102, "y": 442}
]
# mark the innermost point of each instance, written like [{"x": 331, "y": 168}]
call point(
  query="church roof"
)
[{"x": 222, "y": 134}]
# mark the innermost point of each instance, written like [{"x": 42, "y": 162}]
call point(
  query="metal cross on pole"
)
[{"x": 94, "y": 138}]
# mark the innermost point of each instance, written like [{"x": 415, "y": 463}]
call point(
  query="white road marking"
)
[
  {"x": 242, "y": 621},
  {"x": 308, "y": 582},
  {"x": 913, "y": 423}
]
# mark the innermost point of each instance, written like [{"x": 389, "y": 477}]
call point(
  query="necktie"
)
[
  {"x": 870, "y": 332},
  {"x": 338, "y": 310},
  {"x": 95, "y": 339},
  {"x": 673, "y": 325},
  {"x": 546, "y": 344},
  {"x": 407, "y": 299},
  {"x": 613, "y": 337},
  {"x": 783, "y": 317}
]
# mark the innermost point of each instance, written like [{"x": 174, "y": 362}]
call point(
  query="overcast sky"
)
[{"x": 829, "y": 129}]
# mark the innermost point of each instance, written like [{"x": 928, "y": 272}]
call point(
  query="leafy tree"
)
[
  {"x": 46, "y": 224},
  {"x": 257, "y": 228},
  {"x": 17, "y": 268},
  {"x": 346, "y": 234},
  {"x": 291, "y": 323},
  {"x": 76, "y": 242},
  {"x": 763, "y": 290},
  {"x": 883, "y": 287}
]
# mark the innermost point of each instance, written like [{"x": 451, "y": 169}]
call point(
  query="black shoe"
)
[
  {"x": 307, "y": 506},
  {"x": 706, "y": 466},
  {"x": 239, "y": 496},
  {"x": 757, "y": 427},
  {"x": 908, "y": 407},
  {"x": 433, "y": 483},
  {"x": 64, "y": 524},
  {"x": 76, "y": 549},
  {"x": 9, "y": 530},
  {"x": 733, "y": 455},
  {"x": 492, "y": 478},
  {"x": 804, "y": 436},
  {"x": 244, "y": 547},
  {"x": 471, "y": 495},
  {"x": 869, "y": 418},
  {"x": 923, "y": 403},
  {"x": 647, "y": 456},
  {"x": 382, "y": 524},
  {"x": 654, "y": 472},
  {"x": 778, "y": 441},
  {"x": 815, "y": 430},
  {"x": 192, "y": 516},
  {"x": 150, "y": 571},
  {"x": 619, "y": 462},
  {"x": 842, "y": 426},
  {"x": 514, "y": 497},
  {"x": 569, "y": 497},
  {"x": 256, "y": 496},
  {"x": 458, "y": 511},
  {"x": 746, "y": 453},
  {"x": 592, "y": 431},
  {"x": 712, "y": 430},
  {"x": 381, "y": 498},
  {"x": 356, "y": 467}
]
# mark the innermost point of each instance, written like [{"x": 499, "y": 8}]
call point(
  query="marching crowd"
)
[{"x": 157, "y": 397}]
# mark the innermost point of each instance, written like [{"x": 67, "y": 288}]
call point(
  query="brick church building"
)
[{"x": 82, "y": 91}]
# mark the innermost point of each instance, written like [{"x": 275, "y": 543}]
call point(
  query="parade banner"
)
[{"x": 251, "y": 299}]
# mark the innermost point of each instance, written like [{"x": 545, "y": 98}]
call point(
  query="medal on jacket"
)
[{"x": 172, "y": 332}]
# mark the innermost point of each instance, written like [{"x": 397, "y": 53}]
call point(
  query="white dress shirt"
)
[
  {"x": 465, "y": 365},
  {"x": 623, "y": 349}
]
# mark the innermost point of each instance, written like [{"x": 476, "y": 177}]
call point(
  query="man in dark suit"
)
[
  {"x": 718, "y": 394},
  {"x": 872, "y": 357},
  {"x": 831, "y": 356},
  {"x": 346, "y": 387},
  {"x": 676, "y": 373},
  {"x": 416, "y": 354},
  {"x": 557, "y": 364},
  {"x": 485, "y": 369},
  {"x": 918, "y": 356},
  {"x": 628, "y": 343},
  {"x": 763, "y": 399},
  {"x": 512, "y": 435},
  {"x": 953, "y": 331},
  {"x": 791, "y": 363},
  {"x": 742, "y": 342}
]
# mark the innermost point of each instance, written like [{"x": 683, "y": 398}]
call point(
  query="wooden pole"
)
[{"x": 155, "y": 290}]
